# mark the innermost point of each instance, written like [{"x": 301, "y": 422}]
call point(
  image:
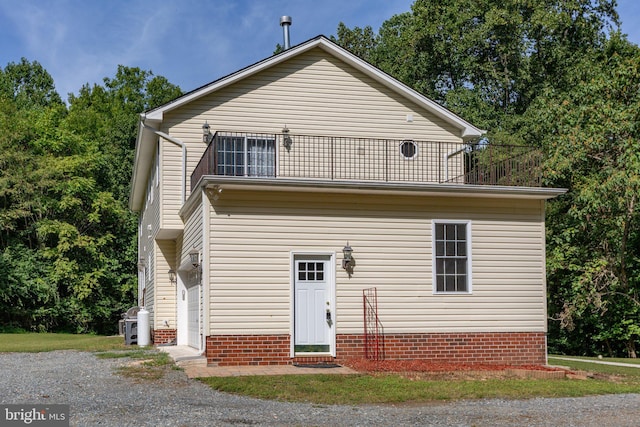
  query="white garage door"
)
[{"x": 193, "y": 316}]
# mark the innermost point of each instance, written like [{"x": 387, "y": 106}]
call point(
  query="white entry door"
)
[
  {"x": 193, "y": 316},
  {"x": 313, "y": 307}
]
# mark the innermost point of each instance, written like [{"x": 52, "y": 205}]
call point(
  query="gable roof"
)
[
  {"x": 151, "y": 120},
  {"x": 467, "y": 130}
]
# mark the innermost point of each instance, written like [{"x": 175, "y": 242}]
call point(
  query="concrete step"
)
[{"x": 192, "y": 361}]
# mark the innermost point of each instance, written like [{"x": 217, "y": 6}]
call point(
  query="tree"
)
[
  {"x": 28, "y": 84},
  {"x": 359, "y": 41},
  {"x": 591, "y": 136},
  {"x": 109, "y": 114},
  {"x": 67, "y": 239},
  {"x": 487, "y": 56}
]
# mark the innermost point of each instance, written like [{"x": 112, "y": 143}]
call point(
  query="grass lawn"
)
[
  {"x": 626, "y": 372},
  {"x": 38, "y": 342},
  {"x": 364, "y": 389},
  {"x": 395, "y": 388},
  {"x": 604, "y": 359}
]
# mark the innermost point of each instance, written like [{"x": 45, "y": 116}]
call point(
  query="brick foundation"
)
[
  {"x": 230, "y": 350},
  {"x": 513, "y": 348},
  {"x": 163, "y": 336}
]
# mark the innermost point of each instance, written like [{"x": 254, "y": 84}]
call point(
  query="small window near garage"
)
[
  {"x": 408, "y": 149},
  {"x": 452, "y": 256}
]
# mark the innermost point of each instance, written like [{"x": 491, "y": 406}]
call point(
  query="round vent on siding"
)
[{"x": 408, "y": 149}]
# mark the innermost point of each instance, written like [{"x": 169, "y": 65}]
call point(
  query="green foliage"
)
[
  {"x": 591, "y": 135},
  {"x": 67, "y": 246},
  {"x": 485, "y": 60},
  {"x": 28, "y": 85}
]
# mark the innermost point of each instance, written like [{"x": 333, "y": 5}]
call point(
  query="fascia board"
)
[
  {"x": 372, "y": 187},
  {"x": 141, "y": 164}
]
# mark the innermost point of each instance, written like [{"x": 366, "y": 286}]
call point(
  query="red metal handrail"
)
[{"x": 373, "y": 328}]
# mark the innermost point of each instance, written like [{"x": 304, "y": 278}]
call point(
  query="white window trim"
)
[
  {"x": 245, "y": 151},
  {"x": 415, "y": 145},
  {"x": 469, "y": 256}
]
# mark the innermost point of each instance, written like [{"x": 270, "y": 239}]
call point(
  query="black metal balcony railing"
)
[{"x": 363, "y": 159}]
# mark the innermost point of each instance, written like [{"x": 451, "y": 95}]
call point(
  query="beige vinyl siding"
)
[
  {"x": 165, "y": 292},
  {"x": 192, "y": 237},
  {"x": 149, "y": 288},
  {"x": 253, "y": 234},
  {"x": 171, "y": 185},
  {"x": 312, "y": 94},
  {"x": 149, "y": 225}
]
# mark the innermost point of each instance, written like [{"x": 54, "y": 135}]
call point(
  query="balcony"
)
[{"x": 326, "y": 158}]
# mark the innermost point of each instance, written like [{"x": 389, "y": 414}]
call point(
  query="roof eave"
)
[{"x": 141, "y": 164}]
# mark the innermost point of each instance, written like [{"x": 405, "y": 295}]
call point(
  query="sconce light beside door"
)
[
  {"x": 172, "y": 277},
  {"x": 347, "y": 257}
]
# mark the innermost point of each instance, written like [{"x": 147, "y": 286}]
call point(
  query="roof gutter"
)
[{"x": 430, "y": 189}]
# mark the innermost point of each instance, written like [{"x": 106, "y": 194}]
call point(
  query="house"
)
[{"x": 311, "y": 208}]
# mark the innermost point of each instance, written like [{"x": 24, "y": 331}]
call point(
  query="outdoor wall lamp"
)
[
  {"x": 286, "y": 139},
  {"x": 172, "y": 277},
  {"x": 347, "y": 257},
  {"x": 194, "y": 257},
  {"x": 207, "y": 136}
]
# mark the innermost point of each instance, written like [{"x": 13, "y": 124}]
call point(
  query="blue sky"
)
[{"x": 189, "y": 42}]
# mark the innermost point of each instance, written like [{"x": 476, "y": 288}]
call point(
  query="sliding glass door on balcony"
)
[{"x": 245, "y": 156}]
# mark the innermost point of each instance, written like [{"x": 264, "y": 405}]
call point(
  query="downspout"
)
[{"x": 184, "y": 156}]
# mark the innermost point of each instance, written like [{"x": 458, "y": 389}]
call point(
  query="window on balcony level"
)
[{"x": 246, "y": 156}]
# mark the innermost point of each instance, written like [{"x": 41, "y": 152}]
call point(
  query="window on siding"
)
[
  {"x": 452, "y": 256},
  {"x": 246, "y": 156}
]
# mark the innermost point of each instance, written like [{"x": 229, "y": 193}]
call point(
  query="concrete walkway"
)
[
  {"x": 600, "y": 362},
  {"x": 195, "y": 366}
]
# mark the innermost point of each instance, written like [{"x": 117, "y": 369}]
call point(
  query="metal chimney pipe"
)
[{"x": 285, "y": 23}]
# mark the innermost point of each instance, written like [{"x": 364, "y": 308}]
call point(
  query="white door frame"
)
[
  {"x": 330, "y": 258},
  {"x": 182, "y": 307},
  {"x": 195, "y": 289},
  {"x": 187, "y": 279}
]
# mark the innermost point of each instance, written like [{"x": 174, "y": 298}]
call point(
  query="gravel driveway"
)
[{"x": 99, "y": 397}]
